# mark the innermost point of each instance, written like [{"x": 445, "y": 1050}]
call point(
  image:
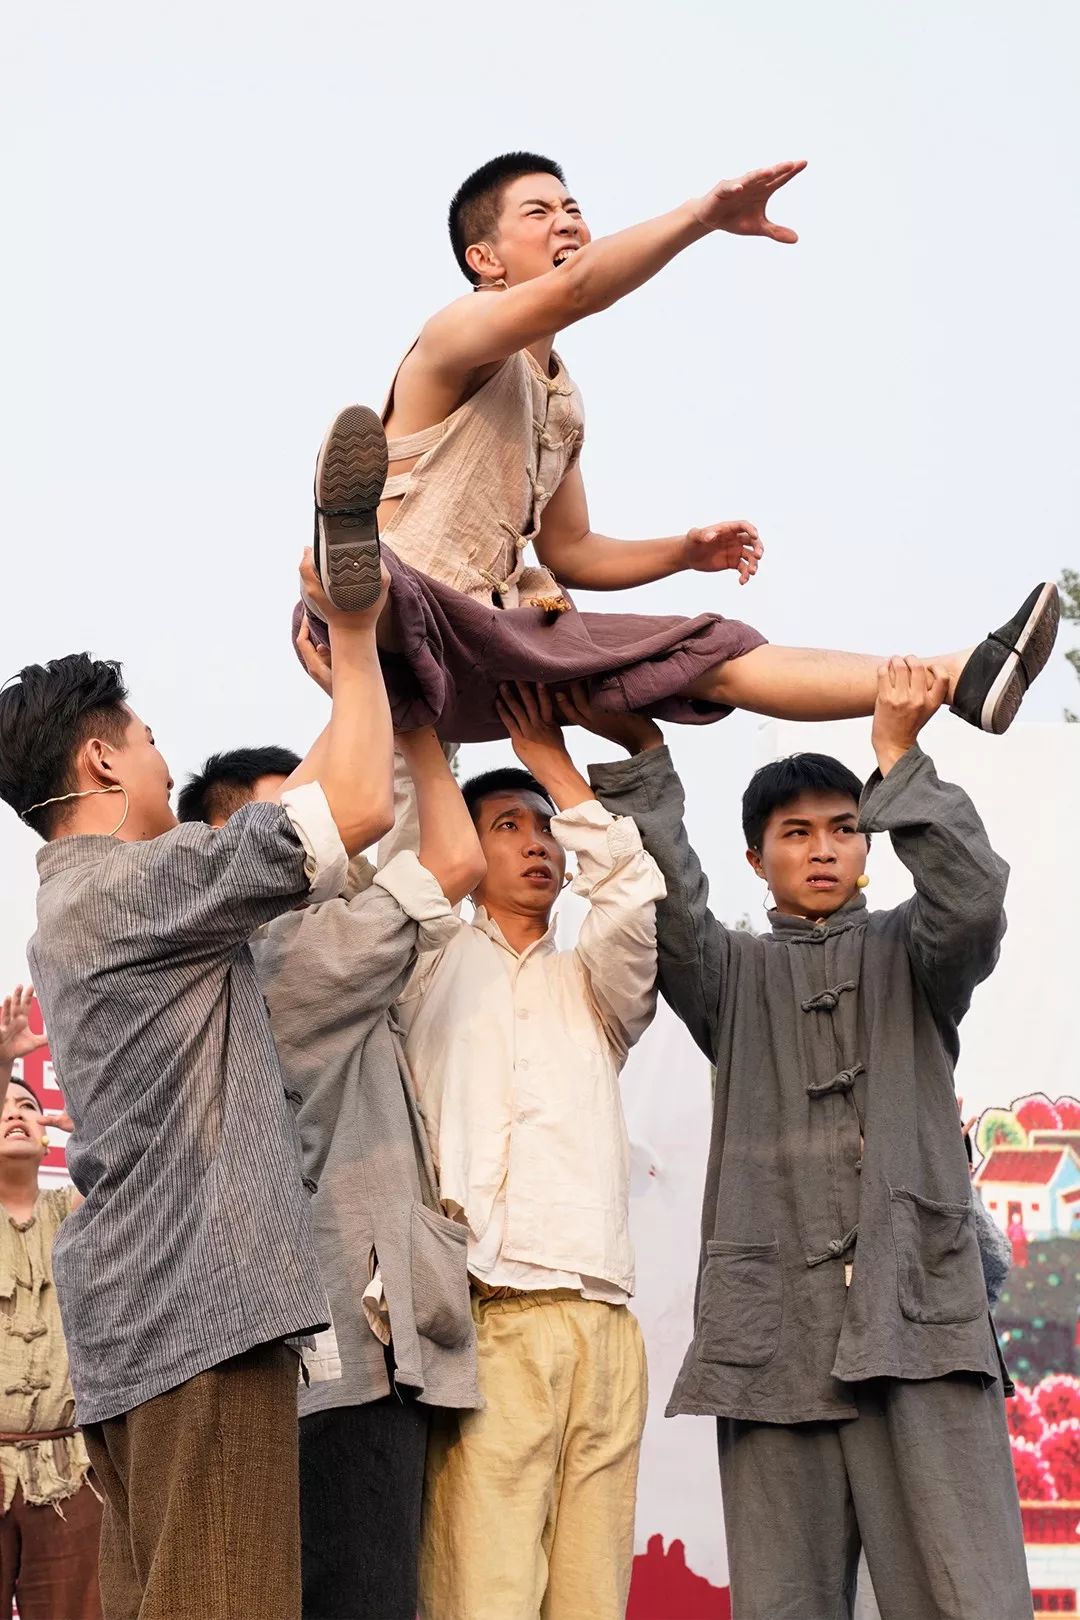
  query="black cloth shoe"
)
[
  {"x": 1000, "y": 670},
  {"x": 349, "y": 479}
]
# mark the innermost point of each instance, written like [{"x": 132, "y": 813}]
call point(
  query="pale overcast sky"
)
[{"x": 225, "y": 221}]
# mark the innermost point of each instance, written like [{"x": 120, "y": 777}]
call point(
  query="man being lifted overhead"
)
[{"x": 485, "y": 430}]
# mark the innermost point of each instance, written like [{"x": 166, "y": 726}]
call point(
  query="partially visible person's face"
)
[
  {"x": 540, "y": 226},
  {"x": 22, "y": 1126},
  {"x": 525, "y": 862},
  {"x": 812, "y": 853},
  {"x": 264, "y": 791},
  {"x": 146, "y": 779}
]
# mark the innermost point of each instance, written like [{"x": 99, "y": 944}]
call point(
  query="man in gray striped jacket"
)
[{"x": 192, "y": 1260}]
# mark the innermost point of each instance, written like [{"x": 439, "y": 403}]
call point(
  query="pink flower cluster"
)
[{"x": 1044, "y": 1425}]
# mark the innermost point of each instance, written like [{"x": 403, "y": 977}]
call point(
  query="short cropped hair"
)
[
  {"x": 477, "y": 203},
  {"x": 225, "y": 782},
  {"x": 781, "y": 782},
  {"x": 507, "y": 779},
  {"x": 47, "y": 711}
]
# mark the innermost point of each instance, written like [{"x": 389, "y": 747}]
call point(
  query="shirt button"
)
[
  {"x": 522, "y": 1117},
  {"x": 835, "y": 1246},
  {"x": 523, "y": 1063},
  {"x": 523, "y": 1012}
]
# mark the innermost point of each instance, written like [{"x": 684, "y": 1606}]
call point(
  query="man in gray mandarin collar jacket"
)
[
  {"x": 842, "y": 1337},
  {"x": 394, "y": 1266}
]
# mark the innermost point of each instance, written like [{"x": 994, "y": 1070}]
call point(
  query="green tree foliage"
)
[{"x": 999, "y": 1127}]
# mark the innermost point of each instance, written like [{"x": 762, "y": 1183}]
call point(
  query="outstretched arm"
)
[
  {"x": 583, "y": 560},
  {"x": 474, "y": 332}
]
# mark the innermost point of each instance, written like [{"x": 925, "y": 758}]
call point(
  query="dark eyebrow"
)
[
  {"x": 538, "y": 202},
  {"x": 507, "y": 810},
  {"x": 520, "y": 810},
  {"x": 804, "y": 821}
]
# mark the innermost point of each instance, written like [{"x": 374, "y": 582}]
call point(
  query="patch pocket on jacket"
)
[
  {"x": 938, "y": 1270},
  {"x": 440, "y": 1278},
  {"x": 742, "y": 1303}
]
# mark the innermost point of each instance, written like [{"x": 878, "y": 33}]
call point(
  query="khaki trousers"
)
[
  {"x": 202, "y": 1497},
  {"x": 529, "y": 1504}
]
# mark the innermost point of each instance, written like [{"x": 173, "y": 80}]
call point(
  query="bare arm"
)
[
  {"x": 583, "y": 560},
  {"x": 353, "y": 758},
  {"x": 449, "y": 846},
  {"x": 476, "y": 332}
]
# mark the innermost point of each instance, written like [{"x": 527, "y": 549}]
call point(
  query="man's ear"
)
[
  {"x": 754, "y": 858},
  {"x": 96, "y": 761},
  {"x": 483, "y": 261}
]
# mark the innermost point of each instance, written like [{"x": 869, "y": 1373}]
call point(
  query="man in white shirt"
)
[{"x": 516, "y": 1048}]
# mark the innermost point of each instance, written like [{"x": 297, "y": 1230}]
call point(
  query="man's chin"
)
[
  {"x": 823, "y": 902},
  {"x": 539, "y": 898}
]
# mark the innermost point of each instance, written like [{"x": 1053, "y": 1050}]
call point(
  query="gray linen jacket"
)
[
  {"x": 823, "y": 1037},
  {"x": 330, "y": 974}
]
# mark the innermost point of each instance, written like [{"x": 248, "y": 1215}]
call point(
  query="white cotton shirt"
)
[{"x": 516, "y": 1062}]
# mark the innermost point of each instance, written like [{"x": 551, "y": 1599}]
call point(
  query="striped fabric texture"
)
[{"x": 195, "y": 1240}]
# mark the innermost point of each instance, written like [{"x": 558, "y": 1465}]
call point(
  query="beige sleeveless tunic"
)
[{"x": 474, "y": 499}]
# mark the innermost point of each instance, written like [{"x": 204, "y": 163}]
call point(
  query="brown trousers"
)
[
  {"x": 49, "y": 1564},
  {"x": 202, "y": 1517}
]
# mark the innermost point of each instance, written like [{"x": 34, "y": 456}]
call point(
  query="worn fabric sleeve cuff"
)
[
  {"x": 640, "y": 776},
  {"x": 602, "y": 842},
  {"x": 882, "y": 794},
  {"x": 326, "y": 862},
  {"x": 589, "y": 828},
  {"x": 420, "y": 897}
]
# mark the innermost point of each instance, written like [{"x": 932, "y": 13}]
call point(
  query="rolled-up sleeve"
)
[
  {"x": 326, "y": 862},
  {"x": 420, "y": 897},
  {"x": 616, "y": 948}
]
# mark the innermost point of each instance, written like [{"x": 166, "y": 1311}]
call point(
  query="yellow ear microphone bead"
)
[{"x": 862, "y": 881}]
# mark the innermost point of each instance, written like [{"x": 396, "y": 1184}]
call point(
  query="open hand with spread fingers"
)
[
  {"x": 909, "y": 694},
  {"x": 17, "y": 1039},
  {"x": 739, "y": 205}
]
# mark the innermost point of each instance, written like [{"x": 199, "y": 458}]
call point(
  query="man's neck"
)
[
  {"x": 18, "y": 1188},
  {"x": 541, "y": 353},
  {"x": 98, "y": 818},
  {"x": 519, "y": 929}
]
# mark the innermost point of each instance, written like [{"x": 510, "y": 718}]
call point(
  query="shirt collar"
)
[
  {"x": 487, "y": 925},
  {"x": 851, "y": 912}
]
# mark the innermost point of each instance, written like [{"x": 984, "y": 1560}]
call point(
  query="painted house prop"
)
[
  {"x": 1037, "y": 1187},
  {"x": 1029, "y": 1179}
]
